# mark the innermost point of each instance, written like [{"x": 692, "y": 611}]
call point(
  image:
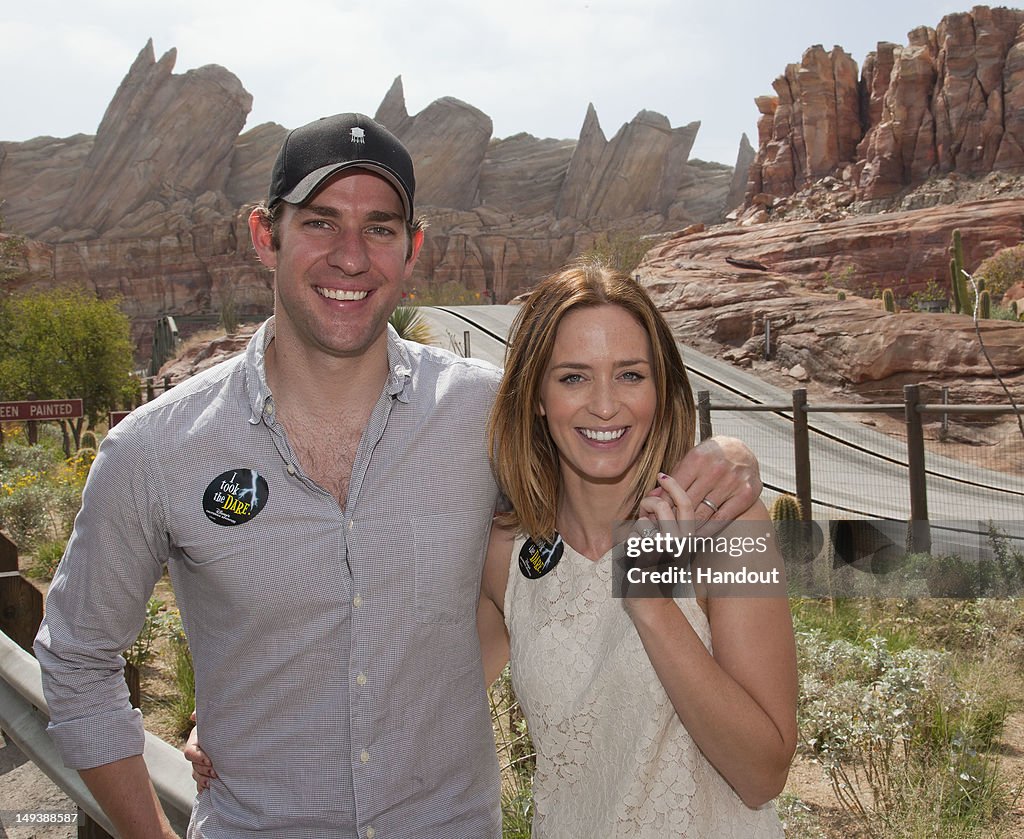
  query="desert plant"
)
[
  {"x": 984, "y": 304},
  {"x": 900, "y": 736},
  {"x": 889, "y": 301},
  {"x": 409, "y": 323},
  {"x": 840, "y": 295},
  {"x": 228, "y": 310},
  {"x": 957, "y": 277},
  {"x": 620, "y": 250},
  {"x": 932, "y": 298},
  {"x": 450, "y": 293},
  {"x": 786, "y": 508}
]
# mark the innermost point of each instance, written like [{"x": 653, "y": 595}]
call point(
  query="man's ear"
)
[
  {"x": 262, "y": 238},
  {"x": 417, "y": 243}
]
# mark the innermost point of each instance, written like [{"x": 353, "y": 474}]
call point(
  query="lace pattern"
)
[{"x": 613, "y": 759}]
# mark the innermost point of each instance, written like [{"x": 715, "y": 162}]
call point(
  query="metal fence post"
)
[
  {"x": 704, "y": 413},
  {"x": 920, "y": 534},
  {"x": 465, "y": 348},
  {"x": 802, "y": 452}
]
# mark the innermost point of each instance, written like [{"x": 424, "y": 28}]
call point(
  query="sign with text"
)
[{"x": 43, "y": 409}]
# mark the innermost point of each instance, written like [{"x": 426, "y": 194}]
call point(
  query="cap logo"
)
[{"x": 358, "y": 136}]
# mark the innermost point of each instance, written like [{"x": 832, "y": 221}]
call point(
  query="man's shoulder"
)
[
  {"x": 196, "y": 393},
  {"x": 435, "y": 361}
]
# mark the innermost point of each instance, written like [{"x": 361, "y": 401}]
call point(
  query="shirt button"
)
[
  {"x": 361, "y": 679},
  {"x": 364, "y": 756},
  {"x": 370, "y": 833},
  {"x": 350, "y": 524},
  {"x": 268, "y": 407},
  {"x": 357, "y": 601},
  {"x": 290, "y": 469}
]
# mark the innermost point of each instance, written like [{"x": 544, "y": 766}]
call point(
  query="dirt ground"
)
[{"x": 25, "y": 790}]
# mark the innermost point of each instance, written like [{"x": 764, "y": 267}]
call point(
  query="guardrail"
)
[
  {"x": 24, "y": 713},
  {"x": 24, "y": 716}
]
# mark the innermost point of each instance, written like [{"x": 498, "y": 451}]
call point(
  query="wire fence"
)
[{"x": 904, "y": 461}]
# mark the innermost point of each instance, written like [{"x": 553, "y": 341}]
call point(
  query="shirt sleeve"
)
[{"x": 96, "y": 605}]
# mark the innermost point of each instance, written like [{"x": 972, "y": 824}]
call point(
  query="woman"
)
[{"x": 650, "y": 716}]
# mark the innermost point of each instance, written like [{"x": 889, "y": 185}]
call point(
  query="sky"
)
[{"x": 530, "y": 65}]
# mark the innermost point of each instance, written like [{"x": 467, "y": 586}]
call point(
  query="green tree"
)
[{"x": 66, "y": 344}]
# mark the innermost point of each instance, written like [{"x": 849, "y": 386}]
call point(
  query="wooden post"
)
[
  {"x": 149, "y": 389},
  {"x": 704, "y": 414},
  {"x": 21, "y": 603},
  {"x": 88, "y": 829},
  {"x": 920, "y": 533},
  {"x": 802, "y": 452}
]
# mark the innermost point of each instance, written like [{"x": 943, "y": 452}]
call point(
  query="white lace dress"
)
[{"x": 613, "y": 759}]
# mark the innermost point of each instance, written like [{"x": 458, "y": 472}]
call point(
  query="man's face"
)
[{"x": 341, "y": 264}]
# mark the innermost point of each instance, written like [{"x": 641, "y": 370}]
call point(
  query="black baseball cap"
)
[{"x": 317, "y": 151}]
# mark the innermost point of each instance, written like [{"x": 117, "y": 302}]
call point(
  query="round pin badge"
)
[
  {"x": 235, "y": 496},
  {"x": 537, "y": 558}
]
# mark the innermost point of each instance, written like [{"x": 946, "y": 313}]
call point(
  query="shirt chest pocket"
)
[{"x": 449, "y": 555}]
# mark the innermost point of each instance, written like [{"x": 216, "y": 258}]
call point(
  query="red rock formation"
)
[
  {"x": 852, "y": 344},
  {"x": 951, "y": 100},
  {"x": 902, "y": 251}
]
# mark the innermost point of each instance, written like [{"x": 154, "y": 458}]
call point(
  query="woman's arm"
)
[
  {"x": 490, "y": 614},
  {"x": 739, "y": 704}
]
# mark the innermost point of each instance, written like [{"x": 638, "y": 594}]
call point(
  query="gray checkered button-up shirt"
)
[{"x": 339, "y": 685}]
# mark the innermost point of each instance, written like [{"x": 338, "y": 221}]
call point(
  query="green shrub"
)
[
  {"x": 901, "y": 735},
  {"x": 153, "y": 627},
  {"x": 1002, "y": 270},
  {"x": 47, "y": 557}
]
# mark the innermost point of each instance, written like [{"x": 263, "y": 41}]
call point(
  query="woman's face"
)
[{"x": 597, "y": 393}]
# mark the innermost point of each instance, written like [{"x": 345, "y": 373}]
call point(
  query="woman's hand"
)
[
  {"x": 202, "y": 767},
  {"x": 721, "y": 478},
  {"x": 670, "y": 509}
]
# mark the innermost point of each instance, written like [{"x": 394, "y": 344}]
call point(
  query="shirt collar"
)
[
  {"x": 397, "y": 385},
  {"x": 256, "y": 370}
]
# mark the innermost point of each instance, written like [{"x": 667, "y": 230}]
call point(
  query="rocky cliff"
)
[
  {"x": 950, "y": 101},
  {"x": 152, "y": 207},
  {"x": 790, "y": 274}
]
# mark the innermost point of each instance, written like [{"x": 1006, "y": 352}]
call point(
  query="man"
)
[{"x": 322, "y": 504}]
